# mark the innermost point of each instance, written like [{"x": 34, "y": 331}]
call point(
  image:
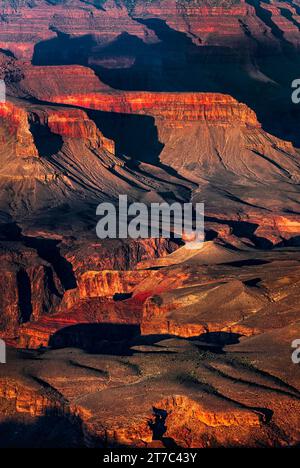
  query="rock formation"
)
[{"x": 170, "y": 100}]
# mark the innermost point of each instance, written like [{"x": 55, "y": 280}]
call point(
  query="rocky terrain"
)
[
  {"x": 169, "y": 100},
  {"x": 200, "y": 352}
]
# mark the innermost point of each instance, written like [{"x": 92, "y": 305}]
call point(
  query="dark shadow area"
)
[
  {"x": 10, "y": 232},
  {"x": 53, "y": 430},
  {"x": 214, "y": 342},
  {"x": 105, "y": 338},
  {"x": 134, "y": 135},
  {"x": 95, "y": 3},
  {"x": 159, "y": 428},
  {"x": 176, "y": 63},
  {"x": 266, "y": 17},
  {"x": 24, "y": 296},
  {"x": 252, "y": 283},
  {"x": 210, "y": 235},
  {"x": 119, "y": 339},
  {"x": 50, "y": 283},
  {"x": 63, "y": 50},
  {"x": 48, "y": 250},
  {"x": 46, "y": 142},
  {"x": 7, "y": 52},
  {"x": 56, "y": 430},
  {"x": 292, "y": 242},
  {"x": 136, "y": 138},
  {"x": 219, "y": 338},
  {"x": 289, "y": 16},
  {"x": 121, "y": 296},
  {"x": 244, "y": 229},
  {"x": 248, "y": 262}
]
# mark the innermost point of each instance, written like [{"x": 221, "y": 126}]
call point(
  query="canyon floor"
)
[
  {"x": 147, "y": 343},
  {"x": 198, "y": 354}
]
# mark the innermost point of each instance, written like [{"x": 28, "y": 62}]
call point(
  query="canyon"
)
[{"x": 161, "y": 101}]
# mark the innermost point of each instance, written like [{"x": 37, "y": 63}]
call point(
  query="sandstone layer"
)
[{"x": 146, "y": 342}]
